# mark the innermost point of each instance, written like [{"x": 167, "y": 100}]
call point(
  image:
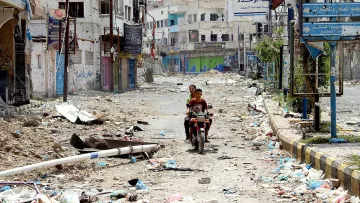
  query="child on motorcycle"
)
[
  {"x": 192, "y": 89},
  {"x": 199, "y": 105}
]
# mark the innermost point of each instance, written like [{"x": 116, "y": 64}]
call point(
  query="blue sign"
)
[
  {"x": 174, "y": 28},
  {"x": 331, "y": 31},
  {"x": 316, "y": 10}
]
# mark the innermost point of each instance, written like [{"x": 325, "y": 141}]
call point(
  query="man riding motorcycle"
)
[{"x": 199, "y": 105}]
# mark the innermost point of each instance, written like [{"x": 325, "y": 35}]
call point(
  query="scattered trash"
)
[
  {"x": 19, "y": 194},
  {"x": 257, "y": 143},
  {"x": 141, "y": 186},
  {"x": 226, "y": 157},
  {"x": 133, "y": 159},
  {"x": 170, "y": 164},
  {"x": 162, "y": 133},
  {"x": 228, "y": 191},
  {"x": 130, "y": 130},
  {"x": 337, "y": 140},
  {"x": 204, "y": 181},
  {"x": 5, "y": 188},
  {"x": 69, "y": 197},
  {"x": 16, "y": 134},
  {"x": 143, "y": 122},
  {"x": 75, "y": 115},
  {"x": 101, "y": 164},
  {"x": 173, "y": 198}
]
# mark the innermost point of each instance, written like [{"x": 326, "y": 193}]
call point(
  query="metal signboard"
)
[
  {"x": 250, "y": 7},
  {"x": 316, "y": 10},
  {"x": 331, "y": 31},
  {"x": 133, "y": 39},
  {"x": 55, "y": 19}
]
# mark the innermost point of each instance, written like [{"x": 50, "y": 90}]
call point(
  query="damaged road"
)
[{"x": 228, "y": 171}]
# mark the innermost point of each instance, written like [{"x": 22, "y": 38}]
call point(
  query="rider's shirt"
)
[{"x": 198, "y": 106}]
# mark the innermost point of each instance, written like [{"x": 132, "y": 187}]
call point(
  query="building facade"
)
[
  {"x": 198, "y": 36},
  {"x": 15, "y": 49},
  {"x": 90, "y": 64}
]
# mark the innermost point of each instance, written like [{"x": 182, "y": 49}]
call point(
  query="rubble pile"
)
[{"x": 24, "y": 142}]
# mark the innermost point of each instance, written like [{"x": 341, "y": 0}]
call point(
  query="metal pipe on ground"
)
[{"x": 77, "y": 158}]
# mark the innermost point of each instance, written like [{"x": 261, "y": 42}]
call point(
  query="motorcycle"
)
[{"x": 199, "y": 122}]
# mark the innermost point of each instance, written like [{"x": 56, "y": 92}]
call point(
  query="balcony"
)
[{"x": 174, "y": 28}]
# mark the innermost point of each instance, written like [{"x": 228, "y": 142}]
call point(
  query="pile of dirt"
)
[{"x": 24, "y": 142}]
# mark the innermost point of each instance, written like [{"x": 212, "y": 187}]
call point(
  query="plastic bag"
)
[
  {"x": 69, "y": 197},
  {"x": 175, "y": 197}
]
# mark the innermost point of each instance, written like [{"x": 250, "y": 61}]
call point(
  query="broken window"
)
[
  {"x": 105, "y": 8},
  {"x": 202, "y": 17},
  {"x": 194, "y": 18},
  {"x": 213, "y": 17},
  {"x": 225, "y": 37},
  {"x": 213, "y": 37},
  {"x": 76, "y": 9},
  {"x": 203, "y": 38}
]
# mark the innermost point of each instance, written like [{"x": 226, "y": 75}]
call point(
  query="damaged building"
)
[
  {"x": 89, "y": 59},
  {"x": 15, "y": 49}
]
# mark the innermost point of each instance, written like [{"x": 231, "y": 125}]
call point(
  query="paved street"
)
[{"x": 162, "y": 104}]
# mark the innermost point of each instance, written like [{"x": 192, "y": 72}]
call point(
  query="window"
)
[
  {"x": 162, "y": 23},
  {"x": 157, "y": 24},
  {"x": 213, "y": 37},
  {"x": 129, "y": 13},
  {"x": 162, "y": 12},
  {"x": 266, "y": 28},
  {"x": 222, "y": 17},
  {"x": 225, "y": 37},
  {"x": 203, "y": 38},
  {"x": 39, "y": 61},
  {"x": 232, "y": 37},
  {"x": 126, "y": 12},
  {"x": 202, "y": 17},
  {"x": 189, "y": 19},
  {"x": 213, "y": 17},
  {"x": 76, "y": 9},
  {"x": 172, "y": 22},
  {"x": 173, "y": 42},
  {"x": 194, "y": 18},
  {"x": 166, "y": 23},
  {"x": 119, "y": 4},
  {"x": 165, "y": 41},
  {"x": 105, "y": 8},
  {"x": 151, "y": 25}
]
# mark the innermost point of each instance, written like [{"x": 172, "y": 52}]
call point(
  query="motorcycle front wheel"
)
[{"x": 201, "y": 141}]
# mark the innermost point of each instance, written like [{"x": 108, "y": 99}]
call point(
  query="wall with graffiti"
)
[{"x": 205, "y": 63}]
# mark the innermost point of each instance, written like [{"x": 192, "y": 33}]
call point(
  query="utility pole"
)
[
  {"x": 111, "y": 45},
  {"x": 239, "y": 37},
  {"x": 65, "y": 93}
]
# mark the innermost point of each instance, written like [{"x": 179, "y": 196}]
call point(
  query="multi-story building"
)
[
  {"x": 90, "y": 61},
  {"x": 196, "y": 36}
]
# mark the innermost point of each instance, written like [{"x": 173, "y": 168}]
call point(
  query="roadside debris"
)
[
  {"x": 206, "y": 180},
  {"x": 75, "y": 115},
  {"x": 143, "y": 122}
]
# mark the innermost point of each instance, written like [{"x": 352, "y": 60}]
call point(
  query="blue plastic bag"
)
[
  {"x": 141, "y": 186},
  {"x": 170, "y": 164}
]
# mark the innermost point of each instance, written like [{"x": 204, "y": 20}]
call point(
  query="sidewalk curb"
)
[
  {"x": 11, "y": 111},
  {"x": 333, "y": 168}
]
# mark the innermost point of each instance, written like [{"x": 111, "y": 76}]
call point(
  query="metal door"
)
[
  {"x": 3, "y": 84},
  {"x": 60, "y": 63},
  {"x": 105, "y": 73},
  {"x": 131, "y": 73}
]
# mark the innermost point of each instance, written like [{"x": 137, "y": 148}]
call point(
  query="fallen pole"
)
[{"x": 77, "y": 158}]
